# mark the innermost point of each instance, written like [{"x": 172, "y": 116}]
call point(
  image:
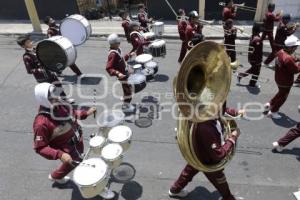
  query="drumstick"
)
[
  {"x": 171, "y": 8},
  {"x": 94, "y": 93}
]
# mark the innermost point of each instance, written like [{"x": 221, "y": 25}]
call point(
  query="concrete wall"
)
[{"x": 289, "y": 6}]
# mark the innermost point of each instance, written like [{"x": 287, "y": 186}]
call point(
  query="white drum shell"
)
[
  {"x": 121, "y": 135},
  {"x": 77, "y": 28},
  {"x": 115, "y": 160},
  {"x": 96, "y": 144},
  {"x": 91, "y": 190},
  {"x": 158, "y": 28}
]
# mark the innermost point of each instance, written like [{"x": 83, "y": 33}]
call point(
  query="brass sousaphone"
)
[{"x": 201, "y": 88}]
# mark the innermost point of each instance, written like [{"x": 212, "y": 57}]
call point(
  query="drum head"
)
[
  {"x": 158, "y": 43},
  {"x": 119, "y": 134},
  {"x": 73, "y": 29},
  {"x": 111, "y": 118},
  {"x": 137, "y": 66},
  {"x": 52, "y": 55},
  {"x": 158, "y": 23},
  {"x": 151, "y": 64},
  {"x": 90, "y": 172},
  {"x": 111, "y": 151},
  {"x": 97, "y": 141},
  {"x": 136, "y": 79},
  {"x": 143, "y": 58}
]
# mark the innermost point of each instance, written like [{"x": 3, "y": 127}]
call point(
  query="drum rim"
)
[
  {"x": 119, "y": 127},
  {"x": 116, "y": 158},
  {"x": 87, "y": 34},
  {"x": 58, "y": 37}
]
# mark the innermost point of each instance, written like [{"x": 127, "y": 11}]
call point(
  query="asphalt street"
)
[{"x": 255, "y": 173}]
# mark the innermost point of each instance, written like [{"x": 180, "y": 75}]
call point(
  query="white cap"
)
[
  {"x": 41, "y": 92},
  {"x": 113, "y": 39},
  {"x": 292, "y": 41}
]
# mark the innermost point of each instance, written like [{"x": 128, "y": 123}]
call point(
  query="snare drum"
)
[
  {"x": 96, "y": 144},
  {"x": 149, "y": 36},
  {"x": 112, "y": 154},
  {"x": 137, "y": 81},
  {"x": 158, "y": 28},
  {"x": 143, "y": 58},
  {"x": 109, "y": 119},
  {"x": 121, "y": 135},
  {"x": 91, "y": 177},
  {"x": 56, "y": 53},
  {"x": 76, "y": 28},
  {"x": 152, "y": 65},
  {"x": 158, "y": 48}
]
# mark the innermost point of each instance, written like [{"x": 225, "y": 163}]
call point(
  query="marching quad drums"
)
[
  {"x": 149, "y": 36},
  {"x": 152, "y": 65},
  {"x": 112, "y": 154},
  {"x": 121, "y": 135},
  {"x": 137, "y": 81},
  {"x": 96, "y": 144},
  {"x": 76, "y": 28},
  {"x": 56, "y": 53},
  {"x": 143, "y": 58},
  {"x": 158, "y": 48}
]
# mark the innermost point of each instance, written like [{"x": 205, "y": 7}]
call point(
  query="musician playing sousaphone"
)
[
  {"x": 138, "y": 41},
  {"x": 143, "y": 17},
  {"x": 200, "y": 134},
  {"x": 193, "y": 32}
]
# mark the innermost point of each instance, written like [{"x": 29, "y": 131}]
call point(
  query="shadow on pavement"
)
[
  {"x": 83, "y": 81},
  {"x": 293, "y": 151},
  {"x": 285, "y": 121},
  {"x": 202, "y": 193},
  {"x": 160, "y": 78},
  {"x": 132, "y": 191}
]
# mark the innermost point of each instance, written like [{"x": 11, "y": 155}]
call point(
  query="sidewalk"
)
[{"x": 105, "y": 27}]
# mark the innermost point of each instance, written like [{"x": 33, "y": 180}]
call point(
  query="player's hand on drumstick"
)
[
  {"x": 132, "y": 54},
  {"x": 91, "y": 111},
  {"x": 121, "y": 76},
  {"x": 66, "y": 158},
  {"x": 241, "y": 112}
]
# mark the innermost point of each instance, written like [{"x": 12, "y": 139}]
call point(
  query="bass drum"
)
[
  {"x": 56, "y": 53},
  {"x": 76, "y": 28},
  {"x": 137, "y": 81}
]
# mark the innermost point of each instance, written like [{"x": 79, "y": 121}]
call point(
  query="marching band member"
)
[
  {"x": 230, "y": 33},
  {"x": 35, "y": 67},
  {"x": 182, "y": 24},
  {"x": 193, "y": 32},
  {"x": 210, "y": 150},
  {"x": 254, "y": 58},
  {"x": 116, "y": 66},
  {"x": 125, "y": 24},
  {"x": 143, "y": 17},
  {"x": 285, "y": 69},
  {"x": 290, "y": 136},
  {"x": 229, "y": 11},
  {"x": 137, "y": 39},
  {"x": 283, "y": 31},
  {"x": 269, "y": 20},
  {"x": 53, "y": 30}
]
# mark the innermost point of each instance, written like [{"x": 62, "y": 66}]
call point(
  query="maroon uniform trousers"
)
[
  {"x": 285, "y": 69},
  {"x": 53, "y": 137},
  {"x": 269, "y": 20},
  {"x": 182, "y": 24},
  {"x": 116, "y": 64},
  {"x": 290, "y": 136},
  {"x": 229, "y": 38},
  {"x": 210, "y": 149}
]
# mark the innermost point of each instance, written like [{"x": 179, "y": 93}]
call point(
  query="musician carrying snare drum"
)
[
  {"x": 137, "y": 39},
  {"x": 54, "y": 30},
  {"x": 116, "y": 66}
]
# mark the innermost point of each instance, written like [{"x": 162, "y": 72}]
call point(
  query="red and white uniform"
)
[
  {"x": 290, "y": 136},
  {"x": 285, "y": 69},
  {"x": 269, "y": 20},
  {"x": 138, "y": 42},
  {"x": 116, "y": 63},
  {"x": 230, "y": 35},
  {"x": 182, "y": 25},
  {"x": 228, "y": 13},
  {"x": 191, "y": 30},
  {"x": 54, "y": 137},
  {"x": 125, "y": 25}
]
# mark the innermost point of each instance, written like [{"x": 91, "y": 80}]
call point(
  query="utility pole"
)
[
  {"x": 34, "y": 18},
  {"x": 108, "y": 7},
  {"x": 261, "y": 8}
]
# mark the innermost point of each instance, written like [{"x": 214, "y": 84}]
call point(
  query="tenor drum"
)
[
  {"x": 91, "y": 177},
  {"x": 158, "y": 28},
  {"x": 121, "y": 135},
  {"x": 56, "y": 53},
  {"x": 152, "y": 65},
  {"x": 137, "y": 68},
  {"x": 158, "y": 48},
  {"x": 137, "y": 81},
  {"x": 149, "y": 36},
  {"x": 76, "y": 28},
  {"x": 143, "y": 58},
  {"x": 109, "y": 119},
  {"x": 96, "y": 144},
  {"x": 149, "y": 73},
  {"x": 112, "y": 154}
]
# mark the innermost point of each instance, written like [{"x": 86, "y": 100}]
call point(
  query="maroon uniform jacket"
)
[
  {"x": 228, "y": 13},
  {"x": 52, "y": 137},
  {"x": 191, "y": 30},
  {"x": 53, "y": 31},
  {"x": 125, "y": 25},
  {"x": 269, "y": 20},
  {"x": 143, "y": 19},
  {"x": 257, "y": 44},
  {"x": 282, "y": 32},
  {"x": 138, "y": 42},
  {"x": 285, "y": 69},
  {"x": 210, "y": 147},
  {"x": 116, "y": 63},
  {"x": 229, "y": 35},
  {"x": 33, "y": 66},
  {"x": 182, "y": 24}
]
